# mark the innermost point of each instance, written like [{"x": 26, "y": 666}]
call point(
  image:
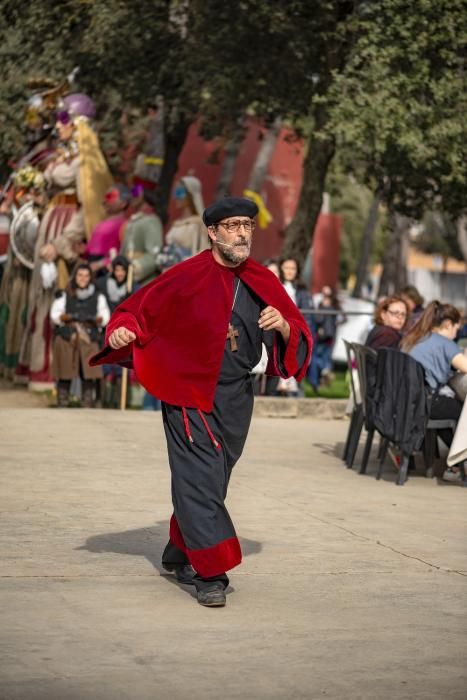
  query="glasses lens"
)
[{"x": 234, "y": 226}]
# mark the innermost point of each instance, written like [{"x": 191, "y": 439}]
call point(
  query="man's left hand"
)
[{"x": 270, "y": 319}]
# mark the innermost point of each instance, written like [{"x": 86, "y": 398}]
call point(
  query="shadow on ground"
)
[
  {"x": 148, "y": 542},
  {"x": 389, "y": 471}
]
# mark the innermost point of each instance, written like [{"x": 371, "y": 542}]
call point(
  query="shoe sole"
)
[{"x": 214, "y": 604}]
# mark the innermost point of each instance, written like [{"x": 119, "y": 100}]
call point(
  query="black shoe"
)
[
  {"x": 184, "y": 573},
  {"x": 212, "y": 597}
]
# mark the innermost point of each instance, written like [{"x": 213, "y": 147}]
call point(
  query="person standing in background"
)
[
  {"x": 142, "y": 235},
  {"x": 188, "y": 233}
]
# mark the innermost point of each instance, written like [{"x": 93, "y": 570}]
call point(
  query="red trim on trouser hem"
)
[
  {"x": 210, "y": 561},
  {"x": 217, "y": 559},
  {"x": 175, "y": 534}
]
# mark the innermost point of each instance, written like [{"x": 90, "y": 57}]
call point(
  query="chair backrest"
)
[
  {"x": 356, "y": 396},
  {"x": 399, "y": 404},
  {"x": 364, "y": 356}
]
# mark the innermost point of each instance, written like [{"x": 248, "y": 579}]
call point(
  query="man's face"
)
[{"x": 232, "y": 238}]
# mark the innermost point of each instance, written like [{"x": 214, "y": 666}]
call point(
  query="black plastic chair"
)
[
  {"x": 365, "y": 357},
  {"x": 362, "y": 355},
  {"x": 357, "y": 412},
  {"x": 430, "y": 430}
]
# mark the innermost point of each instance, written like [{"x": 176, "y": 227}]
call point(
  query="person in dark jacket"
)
[
  {"x": 325, "y": 333},
  {"x": 414, "y": 302},
  {"x": 114, "y": 286},
  {"x": 390, "y": 318},
  {"x": 116, "y": 289},
  {"x": 289, "y": 275}
]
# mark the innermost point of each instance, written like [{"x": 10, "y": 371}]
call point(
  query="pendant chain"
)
[{"x": 235, "y": 295}]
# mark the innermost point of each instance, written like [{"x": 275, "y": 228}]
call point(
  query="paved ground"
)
[{"x": 350, "y": 588}]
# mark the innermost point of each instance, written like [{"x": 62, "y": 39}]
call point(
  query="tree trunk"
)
[
  {"x": 394, "y": 275},
  {"x": 263, "y": 158},
  {"x": 175, "y": 137},
  {"x": 232, "y": 149},
  {"x": 461, "y": 226},
  {"x": 368, "y": 237},
  {"x": 299, "y": 233}
]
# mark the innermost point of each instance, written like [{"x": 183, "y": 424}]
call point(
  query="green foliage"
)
[
  {"x": 438, "y": 236},
  {"x": 352, "y": 201},
  {"x": 398, "y": 107}
]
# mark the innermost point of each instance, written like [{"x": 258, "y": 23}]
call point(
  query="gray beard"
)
[{"x": 232, "y": 255}]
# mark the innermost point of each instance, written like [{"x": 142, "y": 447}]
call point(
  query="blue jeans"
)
[{"x": 321, "y": 359}]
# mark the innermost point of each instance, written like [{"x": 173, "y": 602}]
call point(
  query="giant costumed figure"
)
[
  {"x": 77, "y": 179},
  {"x": 21, "y": 204}
]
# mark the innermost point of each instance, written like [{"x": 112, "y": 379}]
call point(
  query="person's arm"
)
[
  {"x": 57, "y": 310},
  {"x": 459, "y": 362},
  {"x": 103, "y": 311}
]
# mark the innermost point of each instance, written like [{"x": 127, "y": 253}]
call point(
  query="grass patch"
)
[{"x": 338, "y": 388}]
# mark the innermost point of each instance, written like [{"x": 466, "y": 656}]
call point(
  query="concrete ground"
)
[{"x": 350, "y": 588}]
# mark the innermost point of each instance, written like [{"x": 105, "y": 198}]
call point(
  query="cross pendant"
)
[{"x": 232, "y": 335}]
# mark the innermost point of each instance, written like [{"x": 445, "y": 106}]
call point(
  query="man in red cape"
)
[{"x": 193, "y": 336}]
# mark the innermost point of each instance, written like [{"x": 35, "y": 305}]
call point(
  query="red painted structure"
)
[{"x": 280, "y": 192}]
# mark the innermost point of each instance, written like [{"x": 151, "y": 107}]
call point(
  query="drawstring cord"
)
[
  {"x": 213, "y": 439},
  {"x": 187, "y": 426},
  {"x": 205, "y": 423}
]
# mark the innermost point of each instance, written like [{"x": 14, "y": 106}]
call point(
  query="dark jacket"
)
[
  {"x": 304, "y": 301},
  {"x": 400, "y": 403},
  {"x": 383, "y": 337}
]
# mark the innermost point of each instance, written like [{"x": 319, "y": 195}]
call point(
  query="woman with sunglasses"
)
[{"x": 390, "y": 318}]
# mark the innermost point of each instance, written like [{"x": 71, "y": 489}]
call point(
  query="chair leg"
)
[
  {"x": 367, "y": 452},
  {"x": 383, "y": 450},
  {"x": 429, "y": 452},
  {"x": 359, "y": 421},
  {"x": 349, "y": 435},
  {"x": 381, "y": 446},
  {"x": 463, "y": 474},
  {"x": 402, "y": 476}
]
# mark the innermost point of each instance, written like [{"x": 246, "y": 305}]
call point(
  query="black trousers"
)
[{"x": 443, "y": 407}]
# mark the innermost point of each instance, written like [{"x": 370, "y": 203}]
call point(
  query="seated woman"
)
[
  {"x": 431, "y": 342},
  {"x": 390, "y": 317},
  {"x": 77, "y": 314}
]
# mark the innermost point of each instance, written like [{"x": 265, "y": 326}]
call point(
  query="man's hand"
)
[
  {"x": 48, "y": 252},
  {"x": 121, "y": 337},
  {"x": 270, "y": 319}
]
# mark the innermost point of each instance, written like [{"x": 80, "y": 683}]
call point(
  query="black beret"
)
[{"x": 229, "y": 206}]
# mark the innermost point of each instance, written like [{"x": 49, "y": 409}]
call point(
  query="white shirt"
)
[{"x": 59, "y": 305}]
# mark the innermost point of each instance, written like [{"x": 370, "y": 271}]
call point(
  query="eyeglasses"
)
[
  {"x": 235, "y": 226},
  {"x": 397, "y": 314}
]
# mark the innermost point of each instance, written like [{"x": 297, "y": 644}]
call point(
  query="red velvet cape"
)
[{"x": 181, "y": 321}]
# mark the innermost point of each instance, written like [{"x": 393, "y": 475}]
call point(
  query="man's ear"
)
[{"x": 212, "y": 233}]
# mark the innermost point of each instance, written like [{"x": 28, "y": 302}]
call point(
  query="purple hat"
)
[{"x": 79, "y": 104}]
